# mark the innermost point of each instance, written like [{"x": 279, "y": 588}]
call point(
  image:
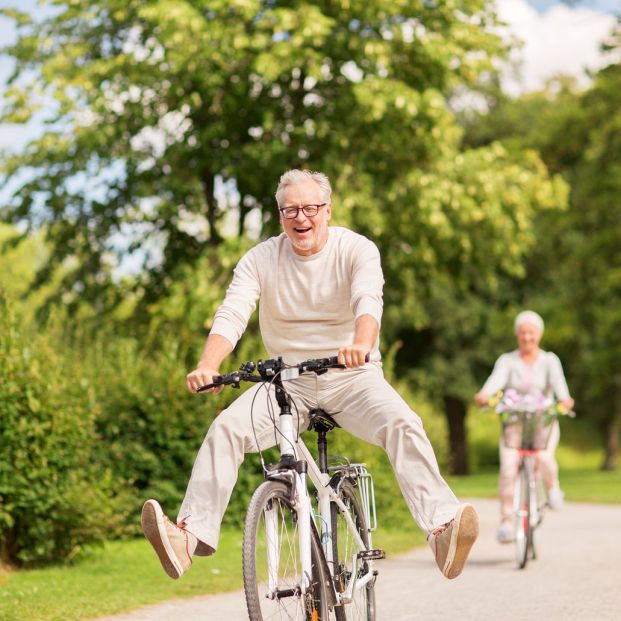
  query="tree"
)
[
  {"x": 158, "y": 102},
  {"x": 155, "y": 102},
  {"x": 450, "y": 262},
  {"x": 574, "y": 274}
]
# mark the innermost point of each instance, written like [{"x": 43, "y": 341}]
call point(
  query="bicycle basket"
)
[{"x": 527, "y": 430}]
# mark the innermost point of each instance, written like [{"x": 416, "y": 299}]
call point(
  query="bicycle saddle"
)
[{"x": 320, "y": 420}]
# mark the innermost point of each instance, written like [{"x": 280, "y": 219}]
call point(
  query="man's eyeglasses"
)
[{"x": 309, "y": 211}]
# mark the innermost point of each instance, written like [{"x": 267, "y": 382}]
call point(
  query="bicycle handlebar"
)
[{"x": 267, "y": 370}]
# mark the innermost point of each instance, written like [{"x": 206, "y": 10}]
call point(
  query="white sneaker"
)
[
  {"x": 173, "y": 544},
  {"x": 451, "y": 542},
  {"x": 505, "y": 533},
  {"x": 555, "y": 498}
]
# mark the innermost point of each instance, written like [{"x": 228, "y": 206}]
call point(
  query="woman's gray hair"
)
[
  {"x": 530, "y": 317},
  {"x": 297, "y": 176}
]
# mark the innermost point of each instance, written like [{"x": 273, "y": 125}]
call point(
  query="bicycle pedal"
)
[{"x": 371, "y": 555}]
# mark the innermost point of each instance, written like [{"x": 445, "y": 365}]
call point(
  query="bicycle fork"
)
[
  {"x": 302, "y": 506},
  {"x": 295, "y": 472}
]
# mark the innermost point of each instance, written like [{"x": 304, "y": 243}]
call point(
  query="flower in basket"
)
[
  {"x": 511, "y": 403},
  {"x": 560, "y": 409},
  {"x": 512, "y": 400}
]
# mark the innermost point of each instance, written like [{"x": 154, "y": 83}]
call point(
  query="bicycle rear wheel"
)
[
  {"x": 362, "y": 607},
  {"x": 271, "y": 546},
  {"x": 522, "y": 517}
]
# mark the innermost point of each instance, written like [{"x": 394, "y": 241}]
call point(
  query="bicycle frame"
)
[
  {"x": 293, "y": 450},
  {"x": 527, "y": 507},
  {"x": 528, "y": 461}
]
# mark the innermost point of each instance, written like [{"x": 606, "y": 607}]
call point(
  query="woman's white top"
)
[{"x": 544, "y": 376}]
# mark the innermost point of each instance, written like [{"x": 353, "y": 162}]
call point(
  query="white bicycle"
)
[{"x": 307, "y": 556}]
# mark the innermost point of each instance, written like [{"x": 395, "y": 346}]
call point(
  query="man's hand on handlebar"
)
[
  {"x": 353, "y": 355},
  {"x": 203, "y": 378},
  {"x": 200, "y": 377}
]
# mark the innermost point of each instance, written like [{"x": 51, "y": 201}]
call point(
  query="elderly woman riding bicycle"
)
[{"x": 530, "y": 371}]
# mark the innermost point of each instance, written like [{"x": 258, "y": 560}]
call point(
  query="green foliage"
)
[
  {"x": 574, "y": 278},
  {"x": 466, "y": 237},
  {"x": 152, "y": 426},
  {"x": 454, "y": 241},
  {"x": 155, "y": 103},
  {"x": 54, "y": 497}
]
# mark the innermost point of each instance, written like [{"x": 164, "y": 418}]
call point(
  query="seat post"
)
[{"x": 322, "y": 448}]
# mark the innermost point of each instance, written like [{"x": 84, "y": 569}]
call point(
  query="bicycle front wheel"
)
[
  {"x": 536, "y": 515},
  {"x": 362, "y": 606},
  {"x": 522, "y": 517},
  {"x": 273, "y": 572}
]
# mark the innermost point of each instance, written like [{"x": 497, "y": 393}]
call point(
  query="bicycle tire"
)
[
  {"x": 522, "y": 517},
  {"x": 274, "y": 496},
  {"x": 536, "y": 516},
  {"x": 362, "y": 608}
]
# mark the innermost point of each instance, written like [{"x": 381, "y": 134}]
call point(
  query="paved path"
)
[{"x": 576, "y": 577}]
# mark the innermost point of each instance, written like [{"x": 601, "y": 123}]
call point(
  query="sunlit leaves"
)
[{"x": 175, "y": 95}]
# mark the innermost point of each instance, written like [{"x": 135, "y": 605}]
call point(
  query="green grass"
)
[
  {"x": 125, "y": 575},
  {"x": 121, "y": 576},
  {"x": 579, "y": 485}
]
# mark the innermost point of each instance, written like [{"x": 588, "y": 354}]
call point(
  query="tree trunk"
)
[
  {"x": 243, "y": 212},
  {"x": 455, "y": 411},
  {"x": 212, "y": 213},
  {"x": 613, "y": 430}
]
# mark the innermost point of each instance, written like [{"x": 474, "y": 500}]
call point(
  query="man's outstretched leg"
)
[
  {"x": 232, "y": 434},
  {"x": 372, "y": 410}
]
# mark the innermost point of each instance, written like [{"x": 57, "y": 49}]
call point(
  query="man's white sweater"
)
[{"x": 307, "y": 304}]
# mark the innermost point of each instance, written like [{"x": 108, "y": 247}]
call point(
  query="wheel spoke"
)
[
  {"x": 271, "y": 550},
  {"x": 362, "y": 606}
]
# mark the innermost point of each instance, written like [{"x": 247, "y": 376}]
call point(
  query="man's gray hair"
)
[{"x": 295, "y": 175}]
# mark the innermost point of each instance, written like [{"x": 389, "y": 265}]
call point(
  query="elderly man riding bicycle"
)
[{"x": 319, "y": 289}]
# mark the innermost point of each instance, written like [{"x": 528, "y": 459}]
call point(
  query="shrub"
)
[
  {"x": 54, "y": 494},
  {"x": 151, "y": 425}
]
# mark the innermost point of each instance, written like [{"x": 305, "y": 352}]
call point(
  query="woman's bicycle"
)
[
  {"x": 526, "y": 426},
  {"x": 303, "y": 557}
]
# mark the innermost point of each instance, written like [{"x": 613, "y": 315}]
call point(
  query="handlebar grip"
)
[
  {"x": 335, "y": 359},
  {"x": 205, "y": 387},
  {"x": 218, "y": 381}
]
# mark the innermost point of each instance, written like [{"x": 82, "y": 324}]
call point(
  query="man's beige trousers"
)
[{"x": 362, "y": 402}]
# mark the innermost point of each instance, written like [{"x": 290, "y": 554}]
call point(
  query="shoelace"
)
[
  {"x": 181, "y": 526},
  {"x": 437, "y": 531}
]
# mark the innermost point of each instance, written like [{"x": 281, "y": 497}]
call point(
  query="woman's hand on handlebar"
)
[
  {"x": 481, "y": 399},
  {"x": 200, "y": 377},
  {"x": 353, "y": 355}
]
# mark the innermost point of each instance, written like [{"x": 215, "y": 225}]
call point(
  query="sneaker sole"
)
[
  {"x": 152, "y": 520},
  {"x": 465, "y": 533},
  {"x": 503, "y": 540}
]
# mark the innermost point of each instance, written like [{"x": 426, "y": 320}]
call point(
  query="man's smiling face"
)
[{"x": 307, "y": 235}]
